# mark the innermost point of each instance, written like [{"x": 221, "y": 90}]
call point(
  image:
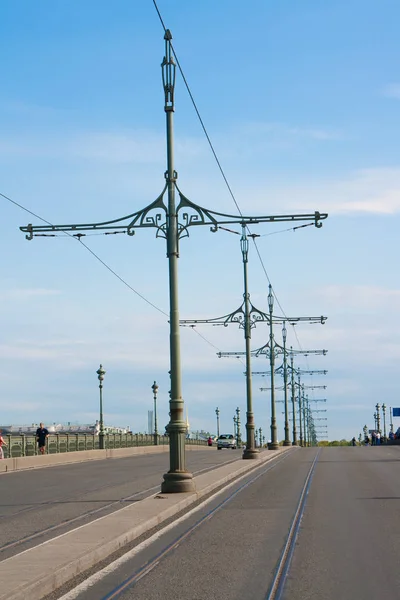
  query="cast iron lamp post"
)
[
  {"x": 217, "y": 413},
  {"x": 100, "y": 373},
  {"x": 273, "y": 445},
  {"x": 239, "y": 438},
  {"x": 235, "y": 429},
  {"x": 286, "y": 441},
  {"x": 172, "y": 223},
  {"x": 384, "y": 420},
  {"x": 375, "y": 427},
  {"x": 154, "y": 387},
  {"x": 378, "y": 417}
]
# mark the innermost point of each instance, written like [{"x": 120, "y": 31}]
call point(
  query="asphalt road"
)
[
  {"x": 347, "y": 545},
  {"x": 38, "y": 504}
]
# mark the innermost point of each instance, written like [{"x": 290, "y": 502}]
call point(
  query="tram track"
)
[
  {"x": 276, "y": 586},
  {"x": 88, "y": 515}
]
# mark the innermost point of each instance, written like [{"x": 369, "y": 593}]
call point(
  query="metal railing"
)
[{"x": 25, "y": 445}]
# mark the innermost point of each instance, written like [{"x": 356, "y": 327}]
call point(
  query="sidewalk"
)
[
  {"x": 8, "y": 465},
  {"x": 37, "y": 572}
]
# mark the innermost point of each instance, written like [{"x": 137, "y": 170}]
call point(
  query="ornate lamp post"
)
[
  {"x": 378, "y": 417},
  {"x": 234, "y": 427},
  {"x": 239, "y": 438},
  {"x": 285, "y": 386},
  {"x": 375, "y": 427},
  {"x": 154, "y": 387},
  {"x": 384, "y": 420},
  {"x": 100, "y": 373},
  {"x": 260, "y": 436},
  {"x": 172, "y": 221},
  {"x": 273, "y": 445},
  {"x": 217, "y": 413}
]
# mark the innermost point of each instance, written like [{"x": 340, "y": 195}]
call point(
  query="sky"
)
[{"x": 301, "y": 102}]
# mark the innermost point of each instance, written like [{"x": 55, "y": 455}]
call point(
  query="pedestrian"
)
[
  {"x": 378, "y": 438},
  {"x": 209, "y": 441},
  {"x": 2, "y": 443},
  {"x": 353, "y": 442},
  {"x": 41, "y": 435}
]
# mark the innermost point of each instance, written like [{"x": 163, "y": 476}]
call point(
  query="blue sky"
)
[{"x": 301, "y": 101}]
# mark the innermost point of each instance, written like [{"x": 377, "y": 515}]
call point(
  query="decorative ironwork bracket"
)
[{"x": 156, "y": 215}]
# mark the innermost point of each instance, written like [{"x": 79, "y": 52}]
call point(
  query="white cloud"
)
[
  {"x": 27, "y": 294},
  {"x": 368, "y": 191},
  {"x": 392, "y": 90}
]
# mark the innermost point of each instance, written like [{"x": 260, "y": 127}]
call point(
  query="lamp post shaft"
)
[
  {"x": 217, "y": 413},
  {"x": 239, "y": 439},
  {"x": 286, "y": 441},
  {"x": 154, "y": 387},
  {"x": 178, "y": 479},
  {"x": 250, "y": 452},
  {"x": 294, "y": 442},
  {"x": 300, "y": 411},
  {"x": 273, "y": 445},
  {"x": 101, "y": 432}
]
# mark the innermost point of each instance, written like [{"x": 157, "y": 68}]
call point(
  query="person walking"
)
[
  {"x": 41, "y": 435},
  {"x": 2, "y": 443},
  {"x": 378, "y": 438}
]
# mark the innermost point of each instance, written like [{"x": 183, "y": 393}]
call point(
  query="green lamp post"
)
[
  {"x": 154, "y": 387},
  {"x": 100, "y": 374}
]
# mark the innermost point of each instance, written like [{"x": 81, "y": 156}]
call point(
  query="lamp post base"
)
[
  {"x": 273, "y": 446},
  {"x": 287, "y": 443},
  {"x": 101, "y": 441},
  {"x": 251, "y": 454},
  {"x": 176, "y": 483},
  {"x": 296, "y": 443}
]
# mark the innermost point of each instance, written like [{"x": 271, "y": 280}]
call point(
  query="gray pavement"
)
[
  {"x": 349, "y": 544},
  {"x": 38, "y": 504},
  {"x": 36, "y": 572},
  {"x": 347, "y": 547}
]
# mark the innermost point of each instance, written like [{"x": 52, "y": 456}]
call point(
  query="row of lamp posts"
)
[{"x": 171, "y": 222}]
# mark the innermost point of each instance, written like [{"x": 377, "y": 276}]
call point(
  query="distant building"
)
[{"x": 61, "y": 428}]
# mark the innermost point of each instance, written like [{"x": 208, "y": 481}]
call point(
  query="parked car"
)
[{"x": 226, "y": 440}]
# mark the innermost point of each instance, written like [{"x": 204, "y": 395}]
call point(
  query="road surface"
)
[{"x": 344, "y": 542}]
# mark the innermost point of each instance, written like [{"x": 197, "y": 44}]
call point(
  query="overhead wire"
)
[
  {"x": 77, "y": 237},
  {"x": 220, "y": 166},
  {"x": 96, "y": 256}
]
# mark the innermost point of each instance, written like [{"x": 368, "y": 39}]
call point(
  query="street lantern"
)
[
  {"x": 154, "y": 387},
  {"x": 100, "y": 374}
]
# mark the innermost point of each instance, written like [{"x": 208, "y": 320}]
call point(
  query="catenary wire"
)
[
  {"x": 218, "y": 161},
  {"x": 78, "y": 238}
]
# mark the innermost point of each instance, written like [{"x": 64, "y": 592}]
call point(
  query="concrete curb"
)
[{"x": 39, "y": 571}]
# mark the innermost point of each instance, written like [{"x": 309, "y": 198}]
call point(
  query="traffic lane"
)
[
  {"x": 34, "y": 501},
  {"x": 230, "y": 556},
  {"x": 348, "y": 545}
]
